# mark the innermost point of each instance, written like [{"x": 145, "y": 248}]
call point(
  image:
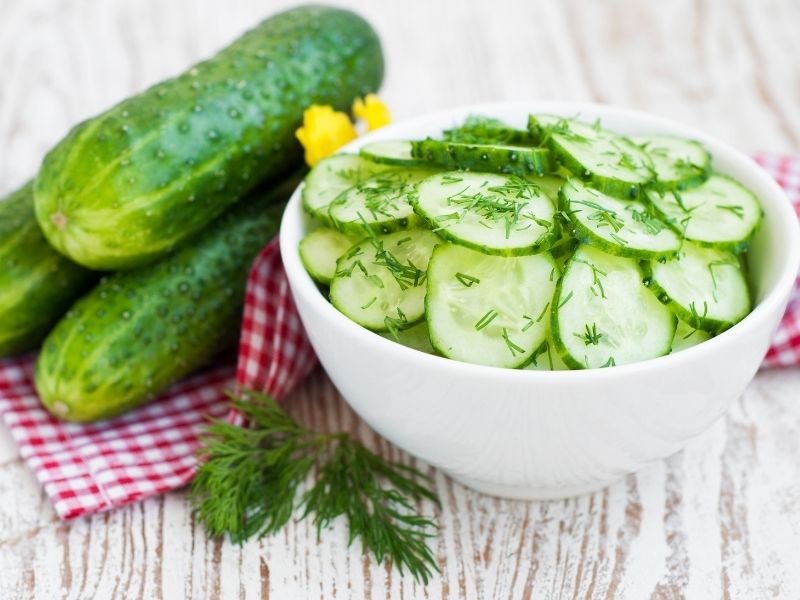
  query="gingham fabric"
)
[{"x": 90, "y": 468}]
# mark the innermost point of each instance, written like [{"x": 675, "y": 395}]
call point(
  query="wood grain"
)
[{"x": 720, "y": 519}]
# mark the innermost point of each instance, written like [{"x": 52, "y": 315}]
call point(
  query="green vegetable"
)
[
  {"x": 140, "y": 331},
  {"x": 125, "y": 187},
  {"x": 249, "y": 482},
  {"x": 37, "y": 284},
  {"x": 519, "y": 160}
]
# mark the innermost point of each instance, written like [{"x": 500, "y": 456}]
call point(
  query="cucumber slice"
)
[
  {"x": 612, "y": 163},
  {"x": 391, "y": 152},
  {"x": 519, "y": 160},
  {"x": 546, "y": 358},
  {"x": 320, "y": 250},
  {"x": 415, "y": 337},
  {"x": 705, "y": 287},
  {"x": 489, "y": 310},
  {"x": 332, "y": 176},
  {"x": 620, "y": 227},
  {"x": 605, "y": 316},
  {"x": 687, "y": 336},
  {"x": 720, "y": 213},
  {"x": 495, "y": 214},
  {"x": 550, "y": 184},
  {"x": 380, "y": 282},
  {"x": 678, "y": 163},
  {"x": 381, "y": 203},
  {"x": 486, "y": 130}
]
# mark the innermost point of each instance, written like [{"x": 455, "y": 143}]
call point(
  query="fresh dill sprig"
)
[
  {"x": 467, "y": 280},
  {"x": 735, "y": 209},
  {"x": 490, "y": 316},
  {"x": 250, "y": 478},
  {"x": 591, "y": 336}
]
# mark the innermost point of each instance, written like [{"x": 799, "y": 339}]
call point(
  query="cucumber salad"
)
[{"x": 561, "y": 246}]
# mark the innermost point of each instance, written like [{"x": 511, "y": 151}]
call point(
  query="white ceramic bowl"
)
[{"x": 535, "y": 434}]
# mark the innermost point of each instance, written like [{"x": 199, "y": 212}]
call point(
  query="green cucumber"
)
[
  {"x": 720, "y": 213},
  {"x": 125, "y": 187},
  {"x": 610, "y": 162},
  {"x": 517, "y": 160},
  {"x": 687, "y": 336},
  {"x": 320, "y": 250},
  {"x": 331, "y": 177},
  {"x": 489, "y": 310},
  {"x": 37, "y": 284},
  {"x": 604, "y": 315},
  {"x": 704, "y": 287},
  {"x": 380, "y": 282},
  {"x": 380, "y": 204},
  {"x": 139, "y": 331},
  {"x": 496, "y": 214},
  {"x": 546, "y": 358},
  {"x": 415, "y": 337},
  {"x": 678, "y": 163},
  {"x": 478, "y": 129},
  {"x": 391, "y": 152},
  {"x": 620, "y": 227}
]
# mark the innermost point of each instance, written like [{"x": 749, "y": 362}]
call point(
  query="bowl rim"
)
[{"x": 301, "y": 282}]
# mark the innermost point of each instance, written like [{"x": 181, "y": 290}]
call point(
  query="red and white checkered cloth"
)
[{"x": 90, "y": 468}]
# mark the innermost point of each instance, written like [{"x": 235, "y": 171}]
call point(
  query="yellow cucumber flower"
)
[
  {"x": 373, "y": 111},
  {"x": 323, "y": 132}
]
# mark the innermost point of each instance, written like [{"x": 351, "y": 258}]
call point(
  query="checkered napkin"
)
[{"x": 90, "y": 468}]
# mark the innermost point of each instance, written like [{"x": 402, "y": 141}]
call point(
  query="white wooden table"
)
[{"x": 721, "y": 519}]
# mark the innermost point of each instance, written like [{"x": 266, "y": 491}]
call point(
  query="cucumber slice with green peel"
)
[
  {"x": 489, "y": 310},
  {"x": 380, "y": 282},
  {"x": 332, "y": 176},
  {"x": 705, "y": 287},
  {"x": 619, "y": 227},
  {"x": 678, "y": 163},
  {"x": 604, "y": 315},
  {"x": 550, "y": 184},
  {"x": 720, "y": 213},
  {"x": 415, "y": 337},
  {"x": 478, "y": 129},
  {"x": 687, "y": 336},
  {"x": 517, "y": 160},
  {"x": 381, "y": 203},
  {"x": 320, "y": 250},
  {"x": 495, "y": 214},
  {"x": 612, "y": 163},
  {"x": 546, "y": 358},
  {"x": 391, "y": 152}
]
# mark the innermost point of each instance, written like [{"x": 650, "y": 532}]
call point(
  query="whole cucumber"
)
[
  {"x": 141, "y": 330},
  {"x": 37, "y": 284},
  {"x": 125, "y": 187}
]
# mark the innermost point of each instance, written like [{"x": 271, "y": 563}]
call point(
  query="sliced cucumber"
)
[
  {"x": 679, "y": 163},
  {"x": 486, "y": 130},
  {"x": 720, "y": 213},
  {"x": 391, "y": 152},
  {"x": 550, "y": 184},
  {"x": 519, "y": 160},
  {"x": 604, "y": 315},
  {"x": 546, "y": 358},
  {"x": 612, "y": 163},
  {"x": 496, "y": 214},
  {"x": 705, "y": 287},
  {"x": 620, "y": 227},
  {"x": 381, "y": 203},
  {"x": 415, "y": 337},
  {"x": 489, "y": 310},
  {"x": 380, "y": 282},
  {"x": 320, "y": 250},
  {"x": 687, "y": 336},
  {"x": 332, "y": 176}
]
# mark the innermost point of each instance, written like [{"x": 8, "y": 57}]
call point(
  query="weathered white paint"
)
[{"x": 720, "y": 519}]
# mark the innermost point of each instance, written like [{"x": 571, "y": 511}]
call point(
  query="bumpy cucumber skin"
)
[
  {"x": 707, "y": 324},
  {"x": 37, "y": 284},
  {"x": 509, "y": 160},
  {"x": 124, "y": 187},
  {"x": 139, "y": 331},
  {"x": 369, "y": 153}
]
